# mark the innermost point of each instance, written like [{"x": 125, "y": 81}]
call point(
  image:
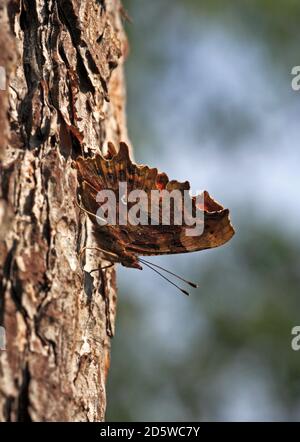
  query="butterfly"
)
[{"x": 126, "y": 244}]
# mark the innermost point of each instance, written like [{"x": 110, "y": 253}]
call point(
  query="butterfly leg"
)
[
  {"x": 105, "y": 295},
  {"x": 110, "y": 256},
  {"x": 99, "y": 269},
  {"x": 88, "y": 212}
]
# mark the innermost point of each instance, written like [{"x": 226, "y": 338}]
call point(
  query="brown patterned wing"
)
[
  {"x": 165, "y": 240},
  {"x": 101, "y": 173}
]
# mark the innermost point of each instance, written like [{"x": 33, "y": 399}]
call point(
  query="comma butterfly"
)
[{"x": 125, "y": 242}]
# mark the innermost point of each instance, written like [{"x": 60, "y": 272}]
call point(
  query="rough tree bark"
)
[{"x": 64, "y": 97}]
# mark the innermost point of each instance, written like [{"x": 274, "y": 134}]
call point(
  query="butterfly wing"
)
[
  {"x": 174, "y": 239},
  {"x": 100, "y": 173}
]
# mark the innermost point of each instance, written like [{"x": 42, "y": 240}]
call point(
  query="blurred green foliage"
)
[{"x": 224, "y": 353}]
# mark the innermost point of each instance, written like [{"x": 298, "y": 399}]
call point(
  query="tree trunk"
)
[{"x": 64, "y": 97}]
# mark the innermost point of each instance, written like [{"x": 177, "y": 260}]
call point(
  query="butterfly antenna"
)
[
  {"x": 193, "y": 284},
  {"x": 164, "y": 277}
]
